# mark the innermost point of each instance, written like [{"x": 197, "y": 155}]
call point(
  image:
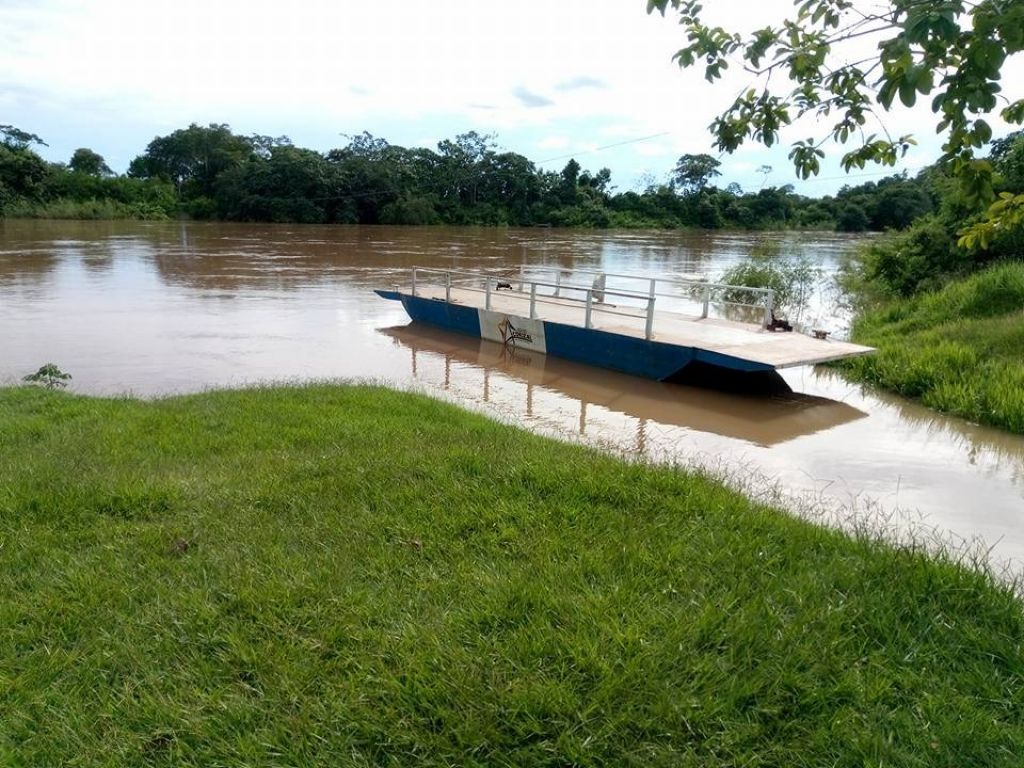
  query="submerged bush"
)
[
  {"x": 94, "y": 209},
  {"x": 791, "y": 277}
]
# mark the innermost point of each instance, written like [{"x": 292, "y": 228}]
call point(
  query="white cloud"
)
[
  {"x": 553, "y": 142},
  {"x": 652, "y": 150},
  {"x": 582, "y": 81},
  {"x": 598, "y": 70}
]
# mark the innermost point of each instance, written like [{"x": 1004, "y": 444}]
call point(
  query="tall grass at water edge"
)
[
  {"x": 333, "y": 575},
  {"x": 92, "y": 209},
  {"x": 959, "y": 349}
]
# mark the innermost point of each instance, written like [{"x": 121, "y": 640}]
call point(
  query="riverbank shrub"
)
[
  {"x": 923, "y": 257},
  {"x": 959, "y": 349},
  {"x": 330, "y": 575}
]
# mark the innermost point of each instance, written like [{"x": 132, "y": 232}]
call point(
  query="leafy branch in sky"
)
[{"x": 948, "y": 50}]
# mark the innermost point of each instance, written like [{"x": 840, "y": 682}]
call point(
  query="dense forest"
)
[{"x": 209, "y": 172}]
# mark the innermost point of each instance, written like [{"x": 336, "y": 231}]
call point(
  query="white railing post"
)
[
  {"x": 414, "y": 281},
  {"x": 653, "y": 284},
  {"x": 558, "y": 283},
  {"x": 533, "y": 300},
  {"x": 448, "y": 287},
  {"x": 487, "y": 303},
  {"x": 707, "y": 300},
  {"x": 769, "y": 306},
  {"x": 522, "y": 270},
  {"x": 649, "y": 329},
  {"x": 590, "y": 309}
]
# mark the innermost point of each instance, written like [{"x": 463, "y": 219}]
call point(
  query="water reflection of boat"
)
[{"x": 762, "y": 420}]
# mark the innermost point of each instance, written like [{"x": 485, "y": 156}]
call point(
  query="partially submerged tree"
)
[{"x": 950, "y": 50}]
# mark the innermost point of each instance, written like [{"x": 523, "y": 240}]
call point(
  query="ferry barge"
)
[{"x": 663, "y": 330}]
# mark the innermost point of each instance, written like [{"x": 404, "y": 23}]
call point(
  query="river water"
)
[{"x": 159, "y": 308}]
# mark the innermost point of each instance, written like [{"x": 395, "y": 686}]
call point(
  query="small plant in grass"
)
[{"x": 49, "y": 376}]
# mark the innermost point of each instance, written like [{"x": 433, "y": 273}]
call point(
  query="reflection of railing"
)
[{"x": 594, "y": 295}]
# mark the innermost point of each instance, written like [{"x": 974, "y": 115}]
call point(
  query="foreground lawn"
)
[
  {"x": 349, "y": 576},
  {"x": 959, "y": 350}
]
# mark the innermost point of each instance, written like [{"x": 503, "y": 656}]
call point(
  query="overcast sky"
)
[{"x": 553, "y": 79}]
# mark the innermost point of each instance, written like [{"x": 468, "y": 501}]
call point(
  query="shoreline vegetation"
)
[
  {"x": 958, "y": 349},
  {"x": 333, "y": 574},
  {"x": 209, "y": 172}
]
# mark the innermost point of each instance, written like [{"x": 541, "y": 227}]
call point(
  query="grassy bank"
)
[
  {"x": 349, "y": 576},
  {"x": 959, "y": 349}
]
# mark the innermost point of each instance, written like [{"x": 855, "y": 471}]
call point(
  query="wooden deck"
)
[{"x": 741, "y": 340}]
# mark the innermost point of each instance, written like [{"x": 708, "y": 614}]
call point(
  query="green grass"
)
[
  {"x": 959, "y": 349},
  {"x": 333, "y": 575}
]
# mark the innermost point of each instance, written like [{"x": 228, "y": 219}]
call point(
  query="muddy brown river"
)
[{"x": 159, "y": 308}]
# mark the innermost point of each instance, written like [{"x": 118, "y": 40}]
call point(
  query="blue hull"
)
[{"x": 626, "y": 354}]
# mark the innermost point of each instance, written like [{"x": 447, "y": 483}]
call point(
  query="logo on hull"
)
[{"x": 509, "y": 333}]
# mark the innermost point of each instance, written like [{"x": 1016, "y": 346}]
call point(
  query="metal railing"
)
[
  {"x": 700, "y": 291},
  {"x": 595, "y": 296}
]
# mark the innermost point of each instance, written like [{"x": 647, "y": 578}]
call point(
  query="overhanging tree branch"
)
[{"x": 947, "y": 49}]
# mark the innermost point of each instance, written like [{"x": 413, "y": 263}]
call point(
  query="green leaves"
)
[
  {"x": 1014, "y": 113},
  {"x": 1003, "y": 217},
  {"x": 806, "y": 158},
  {"x": 713, "y": 45},
  {"x": 880, "y": 151},
  {"x": 752, "y": 115},
  {"x": 922, "y": 45},
  {"x": 17, "y": 139}
]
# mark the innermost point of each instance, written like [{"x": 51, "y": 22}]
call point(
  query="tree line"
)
[{"x": 210, "y": 172}]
